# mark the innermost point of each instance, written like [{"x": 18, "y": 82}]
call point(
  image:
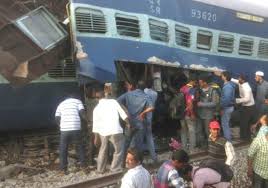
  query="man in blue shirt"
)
[
  {"x": 152, "y": 94},
  {"x": 138, "y": 105},
  {"x": 227, "y": 103}
]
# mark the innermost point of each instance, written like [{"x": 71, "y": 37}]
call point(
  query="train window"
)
[
  {"x": 90, "y": 21},
  {"x": 263, "y": 49},
  {"x": 226, "y": 43},
  {"x": 245, "y": 46},
  {"x": 204, "y": 39},
  {"x": 63, "y": 69},
  {"x": 127, "y": 25},
  {"x": 158, "y": 30},
  {"x": 183, "y": 35},
  {"x": 42, "y": 28}
]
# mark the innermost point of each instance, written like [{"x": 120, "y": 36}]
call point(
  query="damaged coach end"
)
[{"x": 31, "y": 42}]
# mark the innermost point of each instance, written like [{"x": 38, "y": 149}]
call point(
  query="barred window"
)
[
  {"x": 90, "y": 21},
  {"x": 204, "y": 40},
  {"x": 158, "y": 30},
  {"x": 183, "y": 36},
  {"x": 127, "y": 25},
  {"x": 245, "y": 46},
  {"x": 263, "y": 49},
  {"x": 226, "y": 43},
  {"x": 63, "y": 69}
]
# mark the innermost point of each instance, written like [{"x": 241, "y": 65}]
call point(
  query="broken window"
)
[
  {"x": 41, "y": 27},
  {"x": 204, "y": 40}
]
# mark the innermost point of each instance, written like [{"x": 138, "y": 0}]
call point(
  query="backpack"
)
[
  {"x": 177, "y": 106},
  {"x": 219, "y": 166}
]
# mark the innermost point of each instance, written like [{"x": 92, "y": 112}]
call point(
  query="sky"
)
[{"x": 257, "y": 7}]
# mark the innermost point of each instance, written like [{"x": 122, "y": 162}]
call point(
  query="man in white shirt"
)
[
  {"x": 247, "y": 111},
  {"x": 106, "y": 123},
  {"x": 68, "y": 116},
  {"x": 136, "y": 176}
]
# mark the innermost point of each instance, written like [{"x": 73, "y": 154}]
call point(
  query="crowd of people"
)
[{"x": 203, "y": 111}]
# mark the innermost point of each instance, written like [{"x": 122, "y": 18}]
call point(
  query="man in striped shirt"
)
[{"x": 68, "y": 117}]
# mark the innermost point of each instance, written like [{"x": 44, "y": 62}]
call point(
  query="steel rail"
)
[{"x": 113, "y": 179}]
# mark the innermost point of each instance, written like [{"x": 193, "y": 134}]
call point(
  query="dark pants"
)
[
  {"x": 66, "y": 138},
  {"x": 148, "y": 135},
  {"x": 247, "y": 117},
  {"x": 133, "y": 138},
  {"x": 259, "y": 182}
]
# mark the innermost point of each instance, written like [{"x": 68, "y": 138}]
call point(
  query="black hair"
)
[
  {"x": 138, "y": 156},
  {"x": 72, "y": 94},
  {"x": 149, "y": 83},
  {"x": 141, "y": 85},
  {"x": 243, "y": 77},
  {"x": 185, "y": 170},
  {"x": 204, "y": 78},
  {"x": 192, "y": 78},
  {"x": 180, "y": 156},
  {"x": 227, "y": 75}
]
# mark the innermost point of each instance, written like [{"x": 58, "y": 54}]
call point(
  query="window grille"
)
[
  {"x": 245, "y": 46},
  {"x": 64, "y": 69},
  {"x": 204, "y": 39},
  {"x": 226, "y": 43},
  {"x": 263, "y": 49},
  {"x": 183, "y": 36},
  {"x": 42, "y": 28},
  {"x": 127, "y": 26},
  {"x": 158, "y": 30},
  {"x": 90, "y": 21}
]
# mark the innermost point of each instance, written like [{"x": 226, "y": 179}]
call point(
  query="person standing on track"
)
[
  {"x": 68, "y": 116},
  {"x": 247, "y": 109},
  {"x": 107, "y": 125},
  {"x": 138, "y": 105}
]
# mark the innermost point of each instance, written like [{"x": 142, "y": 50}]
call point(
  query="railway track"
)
[{"x": 112, "y": 180}]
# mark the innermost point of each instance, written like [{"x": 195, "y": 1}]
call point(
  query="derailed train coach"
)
[
  {"x": 32, "y": 42},
  {"x": 108, "y": 38}
]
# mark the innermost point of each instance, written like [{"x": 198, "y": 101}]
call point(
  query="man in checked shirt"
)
[{"x": 258, "y": 161}]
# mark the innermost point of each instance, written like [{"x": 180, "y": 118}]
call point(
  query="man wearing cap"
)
[
  {"x": 261, "y": 93},
  {"x": 218, "y": 147},
  {"x": 247, "y": 110},
  {"x": 258, "y": 161}
]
